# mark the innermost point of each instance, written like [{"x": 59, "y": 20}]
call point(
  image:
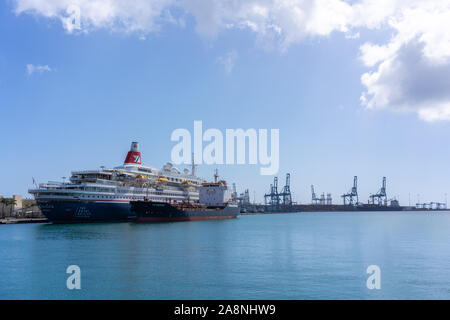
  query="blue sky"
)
[{"x": 106, "y": 88}]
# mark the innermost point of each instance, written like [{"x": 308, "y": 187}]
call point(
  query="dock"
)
[
  {"x": 13, "y": 220},
  {"x": 17, "y": 210},
  {"x": 261, "y": 209}
]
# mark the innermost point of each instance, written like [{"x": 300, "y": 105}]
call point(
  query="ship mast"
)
[
  {"x": 194, "y": 166},
  {"x": 216, "y": 175}
]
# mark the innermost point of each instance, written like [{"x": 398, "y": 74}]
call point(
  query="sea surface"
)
[{"x": 276, "y": 256}]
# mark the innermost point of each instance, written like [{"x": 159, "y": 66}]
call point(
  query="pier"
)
[
  {"x": 17, "y": 210},
  {"x": 267, "y": 209},
  {"x": 13, "y": 220}
]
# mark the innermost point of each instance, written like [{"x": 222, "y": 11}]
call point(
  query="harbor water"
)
[{"x": 272, "y": 256}]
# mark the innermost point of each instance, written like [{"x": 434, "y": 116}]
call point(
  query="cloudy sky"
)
[{"x": 355, "y": 87}]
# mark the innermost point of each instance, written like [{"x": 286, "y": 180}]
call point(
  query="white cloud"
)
[
  {"x": 290, "y": 20},
  {"x": 40, "y": 69},
  {"x": 412, "y": 71},
  {"x": 421, "y": 29},
  {"x": 228, "y": 61},
  {"x": 117, "y": 15},
  {"x": 409, "y": 81}
]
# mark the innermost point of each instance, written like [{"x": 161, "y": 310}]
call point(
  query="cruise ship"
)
[{"x": 105, "y": 194}]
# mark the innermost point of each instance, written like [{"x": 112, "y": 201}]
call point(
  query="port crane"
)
[
  {"x": 234, "y": 192},
  {"x": 314, "y": 198},
  {"x": 286, "y": 193},
  {"x": 432, "y": 206},
  {"x": 329, "y": 199},
  {"x": 273, "y": 196},
  {"x": 322, "y": 199},
  {"x": 242, "y": 198},
  {"x": 381, "y": 195},
  {"x": 352, "y": 194}
]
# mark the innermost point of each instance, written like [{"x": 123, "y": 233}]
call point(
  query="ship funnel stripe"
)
[{"x": 133, "y": 156}]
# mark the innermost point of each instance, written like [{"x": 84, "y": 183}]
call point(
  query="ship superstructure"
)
[
  {"x": 105, "y": 194},
  {"x": 216, "y": 202}
]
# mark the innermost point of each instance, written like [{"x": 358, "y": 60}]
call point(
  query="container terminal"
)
[{"x": 279, "y": 201}]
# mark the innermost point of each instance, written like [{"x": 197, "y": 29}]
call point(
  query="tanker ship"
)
[
  {"x": 215, "y": 202},
  {"x": 105, "y": 194}
]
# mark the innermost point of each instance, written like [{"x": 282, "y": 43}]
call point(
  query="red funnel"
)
[{"x": 133, "y": 156}]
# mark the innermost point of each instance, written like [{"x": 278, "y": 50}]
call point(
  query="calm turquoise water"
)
[{"x": 282, "y": 256}]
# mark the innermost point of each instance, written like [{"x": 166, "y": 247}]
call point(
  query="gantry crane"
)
[
  {"x": 314, "y": 198},
  {"x": 381, "y": 195},
  {"x": 352, "y": 194},
  {"x": 286, "y": 194},
  {"x": 273, "y": 196}
]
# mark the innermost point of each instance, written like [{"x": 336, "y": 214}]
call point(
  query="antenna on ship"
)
[
  {"x": 35, "y": 184},
  {"x": 194, "y": 166},
  {"x": 216, "y": 175}
]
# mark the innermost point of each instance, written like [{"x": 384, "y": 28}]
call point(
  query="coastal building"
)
[{"x": 18, "y": 202}]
